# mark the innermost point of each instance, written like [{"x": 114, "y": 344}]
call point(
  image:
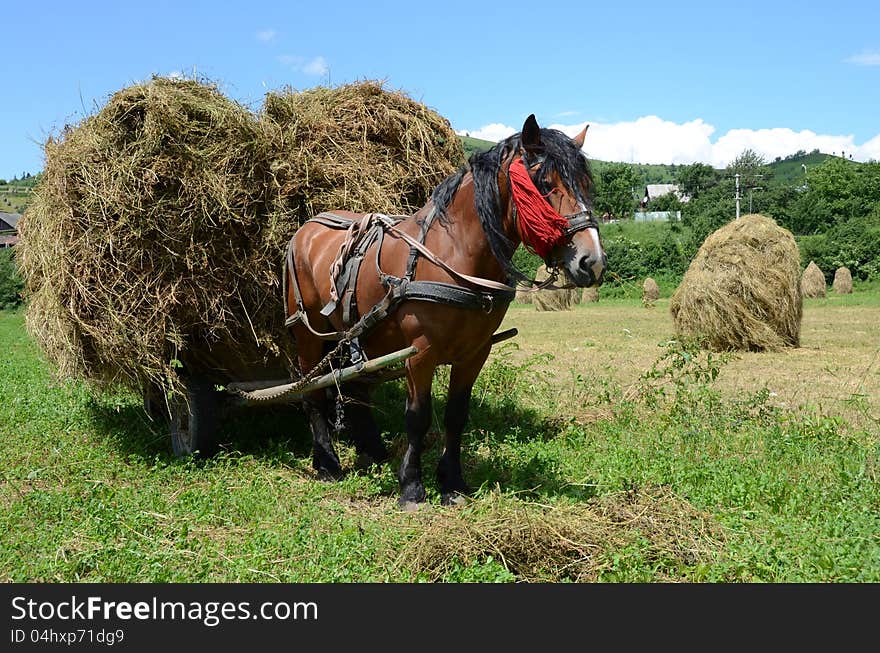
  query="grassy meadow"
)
[
  {"x": 13, "y": 202},
  {"x": 600, "y": 450}
]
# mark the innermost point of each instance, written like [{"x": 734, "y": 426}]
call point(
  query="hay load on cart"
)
[{"x": 152, "y": 252}]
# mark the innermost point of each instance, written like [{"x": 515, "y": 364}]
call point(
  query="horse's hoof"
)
[
  {"x": 453, "y": 499},
  {"x": 329, "y": 475},
  {"x": 411, "y": 506},
  {"x": 364, "y": 461}
]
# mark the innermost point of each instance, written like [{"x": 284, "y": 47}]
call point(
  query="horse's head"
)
[{"x": 551, "y": 187}]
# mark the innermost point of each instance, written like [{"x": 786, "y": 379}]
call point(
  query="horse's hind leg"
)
[
  {"x": 324, "y": 458},
  {"x": 362, "y": 427},
  {"x": 461, "y": 382}
]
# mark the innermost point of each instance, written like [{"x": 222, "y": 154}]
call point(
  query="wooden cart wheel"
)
[
  {"x": 154, "y": 405},
  {"x": 194, "y": 419}
]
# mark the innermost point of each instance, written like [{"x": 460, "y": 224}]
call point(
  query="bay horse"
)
[{"x": 437, "y": 280}]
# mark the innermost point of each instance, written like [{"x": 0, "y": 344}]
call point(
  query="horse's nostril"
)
[{"x": 586, "y": 263}]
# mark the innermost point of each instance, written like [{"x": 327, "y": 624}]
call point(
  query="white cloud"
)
[
  {"x": 871, "y": 149},
  {"x": 266, "y": 35},
  {"x": 780, "y": 141},
  {"x": 494, "y": 132},
  {"x": 317, "y": 66},
  {"x": 865, "y": 58},
  {"x": 567, "y": 114},
  {"x": 650, "y": 139}
]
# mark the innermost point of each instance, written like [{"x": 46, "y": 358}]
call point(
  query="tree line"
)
[{"x": 832, "y": 208}]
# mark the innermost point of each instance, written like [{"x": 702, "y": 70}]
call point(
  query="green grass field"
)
[
  {"x": 14, "y": 202},
  {"x": 598, "y": 455}
]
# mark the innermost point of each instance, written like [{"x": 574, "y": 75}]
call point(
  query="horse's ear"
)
[
  {"x": 579, "y": 139},
  {"x": 531, "y": 134}
]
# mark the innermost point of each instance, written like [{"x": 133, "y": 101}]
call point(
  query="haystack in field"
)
[
  {"x": 553, "y": 300},
  {"x": 813, "y": 282},
  {"x": 156, "y": 233},
  {"x": 590, "y": 295},
  {"x": 523, "y": 296},
  {"x": 742, "y": 291},
  {"x": 842, "y": 281},
  {"x": 650, "y": 292}
]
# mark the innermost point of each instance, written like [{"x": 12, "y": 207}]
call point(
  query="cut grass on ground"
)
[
  {"x": 835, "y": 371},
  {"x": 681, "y": 480}
]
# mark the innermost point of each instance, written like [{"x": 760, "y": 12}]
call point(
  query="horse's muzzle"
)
[{"x": 591, "y": 270}]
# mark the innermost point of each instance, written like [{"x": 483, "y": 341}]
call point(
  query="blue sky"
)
[{"x": 663, "y": 82}]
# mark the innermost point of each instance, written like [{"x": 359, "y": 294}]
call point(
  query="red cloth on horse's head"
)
[{"x": 540, "y": 226}]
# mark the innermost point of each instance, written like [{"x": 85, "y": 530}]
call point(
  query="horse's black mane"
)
[{"x": 561, "y": 156}]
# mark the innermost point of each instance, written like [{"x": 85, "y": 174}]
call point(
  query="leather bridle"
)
[{"x": 579, "y": 221}]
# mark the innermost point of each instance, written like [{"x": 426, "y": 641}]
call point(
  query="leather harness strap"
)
[{"x": 362, "y": 234}]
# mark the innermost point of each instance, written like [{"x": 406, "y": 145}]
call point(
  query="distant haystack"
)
[
  {"x": 650, "y": 292},
  {"x": 742, "y": 291},
  {"x": 842, "y": 281},
  {"x": 590, "y": 295},
  {"x": 813, "y": 282},
  {"x": 552, "y": 300},
  {"x": 523, "y": 296}
]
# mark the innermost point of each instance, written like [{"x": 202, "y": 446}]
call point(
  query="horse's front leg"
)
[
  {"x": 418, "y": 418},
  {"x": 461, "y": 382}
]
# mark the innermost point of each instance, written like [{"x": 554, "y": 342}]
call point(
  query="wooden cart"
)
[{"x": 194, "y": 416}]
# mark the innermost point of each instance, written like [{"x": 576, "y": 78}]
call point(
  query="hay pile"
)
[
  {"x": 523, "y": 296},
  {"x": 742, "y": 291},
  {"x": 358, "y": 147},
  {"x": 553, "y": 300},
  {"x": 650, "y": 292},
  {"x": 590, "y": 295},
  {"x": 842, "y": 281},
  {"x": 157, "y": 231},
  {"x": 813, "y": 282},
  {"x": 573, "y": 542}
]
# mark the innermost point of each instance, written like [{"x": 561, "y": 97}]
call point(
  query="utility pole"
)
[
  {"x": 737, "y": 195},
  {"x": 750, "y": 196}
]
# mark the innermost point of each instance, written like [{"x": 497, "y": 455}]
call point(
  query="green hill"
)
[
  {"x": 474, "y": 145},
  {"x": 648, "y": 173},
  {"x": 788, "y": 171}
]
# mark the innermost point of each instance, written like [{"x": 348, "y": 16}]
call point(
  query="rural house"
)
[
  {"x": 653, "y": 191},
  {"x": 8, "y": 229}
]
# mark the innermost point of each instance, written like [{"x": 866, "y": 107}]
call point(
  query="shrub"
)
[
  {"x": 854, "y": 244},
  {"x": 11, "y": 284},
  {"x": 626, "y": 259},
  {"x": 527, "y": 262}
]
